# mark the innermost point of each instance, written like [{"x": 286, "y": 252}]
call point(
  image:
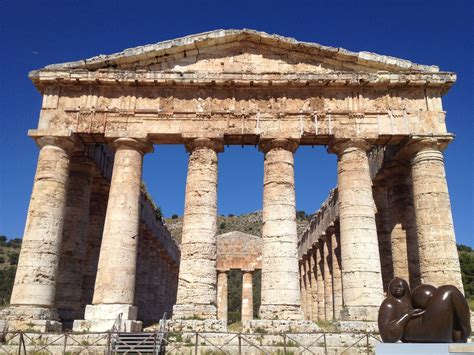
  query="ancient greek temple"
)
[{"x": 95, "y": 254}]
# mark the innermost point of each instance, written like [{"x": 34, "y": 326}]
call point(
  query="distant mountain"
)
[{"x": 250, "y": 223}]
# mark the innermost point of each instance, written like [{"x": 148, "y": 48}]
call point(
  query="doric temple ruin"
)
[{"x": 94, "y": 253}]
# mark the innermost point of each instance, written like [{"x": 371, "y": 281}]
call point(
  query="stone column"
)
[
  {"x": 361, "y": 272},
  {"x": 314, "y": 284},
  {"x": 333, "y": 233},
  {"x": 197, "y": 294},
  {"x": 76, "y": 221},
  {"x": 308, "y": 279},
  {"x": 116, "y": 274},
  {"x": 403, "y": 229},
  {"x": 35, "y": 281},
  {"x": 382, "y": 220},
  {"x": 247, "y": 295},
  {"x": 301, "y": 265},
  {"x": 222, "y": 277},
  {"x": 320, "y": 280},
  {"x": 439, "y": 261},
  {"x": 280, "y": 292},
  {"x": 328, "y": 290},
  {"x": 95, "y": 228}
]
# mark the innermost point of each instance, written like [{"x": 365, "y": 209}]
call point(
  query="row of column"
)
[
  {"x": 114, "y": 290},
  {"x": 155, "y": 288},
  {"x": 407, "y": 232},
  {"x": 321, "y": 278},
  {"x": 72, "y": 212},
  {"x": 197, "y": 288},
  {"x": 247, "y": 295}
]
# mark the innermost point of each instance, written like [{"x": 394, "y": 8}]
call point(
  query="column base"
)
[
  {"x": 360, "y": 313},
  {"x": 105, "y": 317},
  {"x": 30, "y": 318},
  {"x": 280, "y": 312},
  {"x": 279, "y": 326},
  {"x": 194, "y": 312}
]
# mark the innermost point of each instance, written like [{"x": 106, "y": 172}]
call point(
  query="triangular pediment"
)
[{"x": 242, "y": 51}]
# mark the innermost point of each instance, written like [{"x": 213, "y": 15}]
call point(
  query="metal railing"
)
[{"x": 23, "y": 343}]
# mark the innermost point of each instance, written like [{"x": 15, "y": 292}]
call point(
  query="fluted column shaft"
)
[
  {"x": 76, "y": 220},
  {"x": 247, "y": 295},
  {"x": 197, "y": 291},
  {"x": 321, "y": 298},
  {"x": 314, "y": 284},
  {"x": 328, "y": 289},
  {"x": 361, "y": 272},
  {"x": 302, "y": 284},
  {"x": 281, "y": 297},
  {"x": 309, "y": 287},
  {"x": 36, "y": 275},
  {"x": 439, "y": 261},
  {"x": 116, "y": 273},
  {"x": 336, "y": 271},
  {"x": 222, "y": 289}
]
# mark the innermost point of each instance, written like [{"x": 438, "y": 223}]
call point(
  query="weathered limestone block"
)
[
  {"x": 222, "y": 290},
  {"x": 382, "y": 220},
  {"x": 197, "y": 291},
  {"x": 76, "y": 221},
  {"x": 280, "y": 291},
  {"x": 36, "y": 276},
  {"x": 402, "y": 222},
  {"x": 114, "y": 290},
  {"x": 439, "y": 261},
  {"x": 247, "y": 295},
  {"x": 361, "y": 272}
]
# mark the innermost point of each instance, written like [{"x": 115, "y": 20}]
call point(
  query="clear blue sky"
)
[{"x": 36, "y": 33}]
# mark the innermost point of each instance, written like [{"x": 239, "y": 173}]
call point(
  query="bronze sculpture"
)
[{"x": 427, "y": 315}]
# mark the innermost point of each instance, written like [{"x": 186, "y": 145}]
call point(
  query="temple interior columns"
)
[
  {"x": 281, "y": 297},
  {"x": 382, "y": 220},
  {"x": 361, "y": 270},
  {"x": 95, "y": 228},
  {"x": 247, "y": 295},
  {"x": 222, "y": 290},
  {"x": 76, "y": 222}
]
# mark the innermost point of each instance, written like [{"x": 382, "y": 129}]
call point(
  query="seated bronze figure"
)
[{"x": 427, "y": 315}]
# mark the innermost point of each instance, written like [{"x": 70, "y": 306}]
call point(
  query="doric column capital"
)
[
  {"x": 223, "y": 271},
  {"x": 278, "y": 143},
  {"x": 69, "y": 144},
  {"x": 341, "y": 147},
  {"x": 140, "y": 145},
  {"x": 248, "y": 271},
  {"x": 200, "y": 143}
]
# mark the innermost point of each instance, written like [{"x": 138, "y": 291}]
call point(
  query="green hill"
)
[{"x": 9, "y": 252}]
